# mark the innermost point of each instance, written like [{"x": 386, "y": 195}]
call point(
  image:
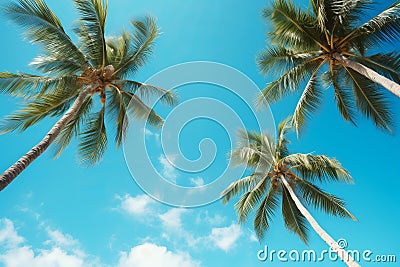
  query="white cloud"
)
[
  {"x": 148, "y": 254},
  {"x": 213, "y": 220},
  {"x": 225, "y": 237},
  {"x": 138, "y": 205},
  {"x": 172, "y": 219},
  {"x": 197, "y": 181},
  {"x": 253, "y": 238},
  {"x": 148, "y": 133},
  {"x": 64, "y": 250},
  {"x": 8, "y": 234},
  {"x": 168, "y": 169}
]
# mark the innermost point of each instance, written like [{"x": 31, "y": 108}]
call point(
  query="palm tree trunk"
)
[
  {"x": 346, "y": 258},
  {"x": 390, "y": 85},
  {"x": 11, "y": 173}
]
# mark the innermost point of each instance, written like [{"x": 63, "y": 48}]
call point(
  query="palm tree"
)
[
  {"x": 278, "y": 176},
  {"x": 326, "y": 46},
  {"x": 75, "y": 77}
]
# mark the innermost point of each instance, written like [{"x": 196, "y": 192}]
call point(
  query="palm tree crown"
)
[
  {"x": 95, "y": 68},
  {"x": 273, "y": 166},
  {"x": 326, "y": 46}
]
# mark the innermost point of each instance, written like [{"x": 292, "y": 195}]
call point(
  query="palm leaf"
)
[
  {"x": 94, "y": 139},
  {"x": 317, "y": 167},
  {"x": 143, "y": 37},
  {"x": 294, "y": 220},
  {"x": 93, "y": 14},
  {"x": 243, "y": 185},
  {"x": 73, "y": 128},
  {"x": 265, "y": 212},
  {"x": 43, "y": 26},
  {"x": 371, "y": 101},
  {"x": 283, "y": 129},
  {"x": 329, "y": 203}
]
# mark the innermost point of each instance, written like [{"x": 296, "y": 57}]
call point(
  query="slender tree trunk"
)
[
  {"x": 11, "y": 173},
  {"x": 390, "y": 85},
  {"x": 346, "y": 258}
]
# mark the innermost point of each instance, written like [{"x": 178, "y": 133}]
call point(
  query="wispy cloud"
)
[
  {"x": 168, "y": 170},
  {"x": 197, "y": 181},
  {"x": 137, "y": 205},
  {"x": 172, "y": 219},
  {"x": 225, "y": 238}
]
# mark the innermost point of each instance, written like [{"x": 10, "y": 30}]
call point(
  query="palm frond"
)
[
  {"x": 381, "y": 29},
  {"x": 243, "y": 185},
  {"x": 43, "y": 26},
  {"x": 387, "y": 64},
  {"x": 250, "y": 199},
  {"x": 265, "y": 212},
  {"x": 308, "y": 103},
  {"x": 371, "y": 101},
  {"x": 283, "y": 129},
  {"x": 139, "y": 110},
  {"x": 28, "y": 85},
  {"x": 52, "y": 65},
  {"x": 329, "y": 203},
  {"x": 73, "y": 128},
  {"x": 48, "y": 105},
  {"x": 344, "y": 96},
  {"x": 289, "y": 82},
  {"x": 118, "y": 49},
  {"x": 93, "y": 14},
  {"x": 94, "y": 139},
  {"x": 143, "y": 37},
  {"x": 294, "y": 220},
  {"x": 117, "y": 110},
  {"x": 317, "y": 167},
  {"x": 292, "y": 27},
  {"x": 280, "y": 58},
  {"x": 146, "y": 91}
]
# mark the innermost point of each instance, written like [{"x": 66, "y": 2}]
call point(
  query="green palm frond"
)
[
  {"x": 118, "y": 115},
  {"x": 317, "y": 167},
  {"x": 371, "y": 101},
  {"x": 387, "y": 64},
  {"x": 283, "y": 129},
  {"x": 93, "y": 14},
  {"x": 118, "y": 49},
  {"x": 94, "y": 139},
  {"x": 73, "y": 128},
  {"x": 308, "y": 103},
  {"x": 292, "y": 26},
  {"x": 294, "y": 220},
  {"x": 329, "y": 203},
  {"x": 280, "y": 58},
  {"x": 146, "y": 91},
  {"x": 243, "y": 185},
  {"x": 288, "y": 83},
  {"x": 381, "y": 29},
  {"x": 344, "y": 96},
  {"x": 142, "y": 42},
  {"x": 43, "y": 26},
  {"x": 48, "y": 105},
  {"x": 139, "y": 110},
  {"x": 250, "y": 199},
  {"x": 265, "y": 212},
  {"x": 255, "y": 150},
  {"x": 52, "y": 65},
  {"x": 28, "y": 85}
]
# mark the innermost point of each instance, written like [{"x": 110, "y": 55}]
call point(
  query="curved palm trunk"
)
[
  {"x": 346, "y": 258},
  {"x": 11, "y": 173},
  {"x": 390, "y": 85}
]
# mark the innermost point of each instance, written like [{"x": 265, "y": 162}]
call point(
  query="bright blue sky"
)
[{"x": 57, "y": 211}]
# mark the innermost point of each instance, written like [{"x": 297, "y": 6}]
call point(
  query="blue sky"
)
[{"x": 59, "y": 213}]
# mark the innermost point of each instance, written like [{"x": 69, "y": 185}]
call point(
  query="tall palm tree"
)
[
  {"x": 278, "y": 176},
  {"x": 76, "y": 77},
  {"x": 327, "y": 46}
]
